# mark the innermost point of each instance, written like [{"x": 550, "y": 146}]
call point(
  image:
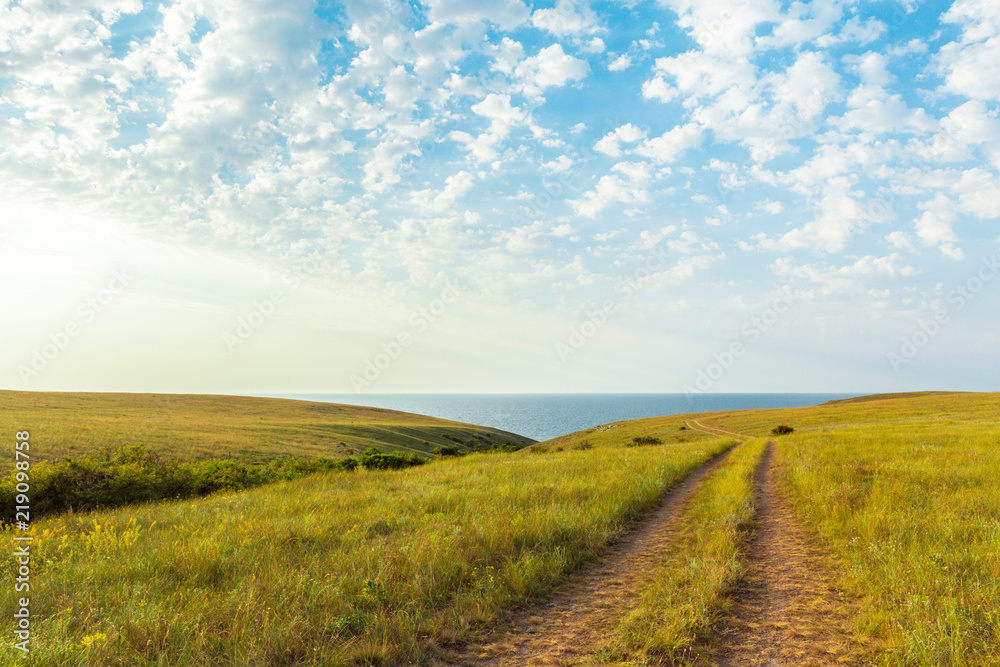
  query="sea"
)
[{"x": 544, "y": 416}]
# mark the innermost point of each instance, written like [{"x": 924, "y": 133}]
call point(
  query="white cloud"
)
[
  {"x": 507, "y": 14},
  {"x": 840, "y": 217},
  {"x": 935, "y": 227},
  {"x": 874, "y": 110},
  {"x": 967, "y": 126},
  {"x": 764, "y": 114},
  {"x": 551, "y": 67},
  {"x": 978, "y": 192},
  {"x": 456, "y": 186},
  {"x": 560, "y": 165},
  {"x": 699, "y": 74},
  {"x": 899, "y": 240},
  {"x": 856, "y": 276},
  {"x": 723, "y": 26},
  {"x": 610, "y": 144},
  {"x": 855, "y": 31},
  {"x": 671, "y": 144},
  {"x": 622, "y": 62},
  {"x": 568, "y": 17},
  {"x": 971, "y": 66},
  {"x": 658, "y": 89},
  {"x": 772, "y": 207},
  {"x": 612, "y": 189},
  {"x": 503, "y": 117}
]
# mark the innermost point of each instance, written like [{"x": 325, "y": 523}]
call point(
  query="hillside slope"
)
[
  {"x": 64, "y": 424},
  {"x": 875, "y": 411}
]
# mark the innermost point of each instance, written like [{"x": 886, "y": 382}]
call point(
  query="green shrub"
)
[
  {"x": 504, "y": 448},
  {"x": 133, "y": 474},
  {"x": 782, "y": 429},
  {"x": 348, "y": 464},
  {"x": 641, "y": 440},
  {"x": 446, "y": 451},
  {"x": 374, "y": 458}
]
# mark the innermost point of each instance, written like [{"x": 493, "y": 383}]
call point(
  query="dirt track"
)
[
  {"x": 569, "y": 627},
  {"x": 786, "y": 612}
]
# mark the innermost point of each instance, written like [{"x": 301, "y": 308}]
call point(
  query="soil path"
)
[
  {"x": 711, "y": 430},
  {"x": 569, "y": 627},
  {"x": 786, "y": 612}
]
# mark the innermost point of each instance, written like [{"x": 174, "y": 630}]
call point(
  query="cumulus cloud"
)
[
  {"x": 671, "y": 144},
  {"x": 968, "y": 126},
  {"x": 621, "y": 63},
  {"x": 725, "y": 27},
  {"x": 506, "y": 14},
  {"x": 550, "y": 68},
  {"x": 762, "y": 113},
  {"x": 855, "y": 276},
  {"x": 611, "y": 143},
  {"x": 971, "y": 65},
  {"x": 558, "y": 166},
  {"x": 935, "y": 227},
  {"x": 568, "y": 17},
  {"x": 613, "y": 189},
  {"x": 503, "y": 117},
  {"x": 456, "y": 186},
  {"x": 840, "y": 217},
  {"x": 872, "y": 109},
  {"x": 272, "y": 132}
]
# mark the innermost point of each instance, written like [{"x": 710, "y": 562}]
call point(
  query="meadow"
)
[
  {"x": 900, "y": 493},
  {"x": 246, "y": 429},
  {"x": 333, "y": 569},
  {"x": 897, "y": 493}
]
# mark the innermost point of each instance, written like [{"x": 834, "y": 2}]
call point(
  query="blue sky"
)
[{"x": 285, "y": 196}]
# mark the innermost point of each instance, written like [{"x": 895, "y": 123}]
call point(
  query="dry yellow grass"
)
[{"x": 64, "y": 424}]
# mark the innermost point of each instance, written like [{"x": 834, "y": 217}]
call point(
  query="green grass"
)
[
  {"x": 242, "y": 428},
  {"x": 912, "y": 514},
  {"x": 898, "y": 491},
  {"x": 688, "y": 587},
  {"x": 336, "y": 569}
]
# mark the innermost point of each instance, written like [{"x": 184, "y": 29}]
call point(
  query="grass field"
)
[
  {"x": 898, "y": 495},
  {"x": 911, "y": 512},
  {"x": 900, "y": 492},
  {"x": 336, "y": 569},
  {"x": 243, "y": 428}
]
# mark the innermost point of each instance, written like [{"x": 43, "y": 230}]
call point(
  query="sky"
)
[{"x": 285, "y": 196}]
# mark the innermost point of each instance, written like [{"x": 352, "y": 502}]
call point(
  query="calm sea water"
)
[{"x": 544, "y": 416}]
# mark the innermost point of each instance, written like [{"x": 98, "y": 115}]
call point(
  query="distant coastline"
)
[{"x": 544, "y": 416}]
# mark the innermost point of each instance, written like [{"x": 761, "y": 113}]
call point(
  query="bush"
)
[
  {"x": 782, "y": 429},
  {"x": 446, "y": 451},
  {"x": 133, "y": 474},
  {"x": 641, "y": 440},
  {"x": 504, "y": 448},
  {"x": 374, "y": 458},
  {"x": 347, "y": 464}
]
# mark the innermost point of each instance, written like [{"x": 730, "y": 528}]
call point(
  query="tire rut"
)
[
  {"x": 786, "y": 612},
  {"x": 572, "y": 625}
]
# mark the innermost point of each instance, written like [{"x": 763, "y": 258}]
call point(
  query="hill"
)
[
  {"x": 249, "y": 429},
  {"x": 866, "y": 535},
  {"x": 874, "y": 411}
]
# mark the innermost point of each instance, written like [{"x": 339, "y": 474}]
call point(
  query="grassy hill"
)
[
  {"x": 878, "y": 411},
  {"x": 898, "y": 494},
  {"x": 248, "y": 429}
]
